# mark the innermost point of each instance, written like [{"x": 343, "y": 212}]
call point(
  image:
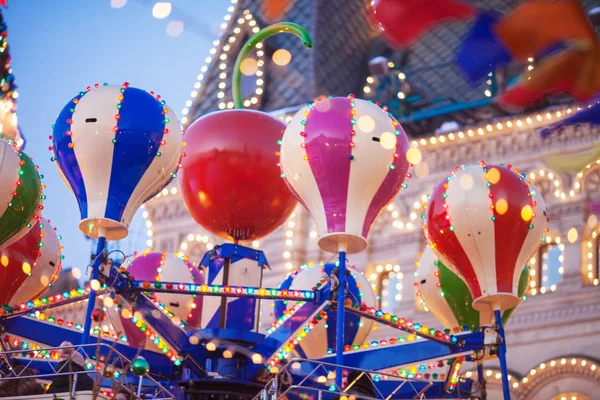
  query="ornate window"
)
[
  {"x": 386, "y": 281},
  {"x": 546, "y": 267},
  {"x": 591, "y": 259}
]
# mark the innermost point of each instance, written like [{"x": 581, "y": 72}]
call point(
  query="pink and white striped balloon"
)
[
  {"x": 165, "y": 267},
  {"x": 344, "y": 159}
]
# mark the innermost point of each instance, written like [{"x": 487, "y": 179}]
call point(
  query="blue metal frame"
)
[
  {"x": 53, "y": 335},
  {"x": 197, "y": 359},
  {"x": 92, "y": 298}
]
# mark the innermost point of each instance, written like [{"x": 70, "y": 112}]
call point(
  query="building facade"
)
[{"x": 554, "y": 348}]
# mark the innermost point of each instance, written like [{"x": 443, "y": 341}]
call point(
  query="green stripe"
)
[
  {"x": 458, "y": 297},
  {"x": 21, "y": 212},
  {"x": 460, "y": 301}
]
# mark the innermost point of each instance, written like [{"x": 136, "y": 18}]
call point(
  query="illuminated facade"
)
[{"x": 553, "y": 344}]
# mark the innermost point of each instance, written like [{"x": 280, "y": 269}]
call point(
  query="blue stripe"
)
[
  {"x": 65, "y": 156},
  {"x": 141, "y": 126}
]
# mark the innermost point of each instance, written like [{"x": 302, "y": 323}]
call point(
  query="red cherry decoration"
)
[{"x": 230, "y": 180}]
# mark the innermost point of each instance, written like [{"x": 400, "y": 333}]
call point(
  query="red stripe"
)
[
  {"x": 445, "y": 241},
  {"x": 510, "y": 230},
  {"x": 12, "y": 276}
]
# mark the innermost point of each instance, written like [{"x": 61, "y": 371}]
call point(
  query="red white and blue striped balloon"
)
[
  {"x": 344, "y": 159},
  {"x": 115, "y": 147},
  {"x": 486, "y": 221}
]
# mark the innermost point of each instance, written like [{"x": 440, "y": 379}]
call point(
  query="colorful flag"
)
[
  {"x": 480, "y": 50},
  {"x": 275, "y": 10},
  {"x": 536, "y": 25},
  {"x": 575, "y": 71},
  {"x": 404, "y": 21}
]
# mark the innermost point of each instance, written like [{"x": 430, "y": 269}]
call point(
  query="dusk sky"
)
[{"x": 60, "y": 47}]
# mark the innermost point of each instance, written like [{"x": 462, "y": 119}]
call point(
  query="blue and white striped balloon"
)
[{"x": 115, "y": 147}]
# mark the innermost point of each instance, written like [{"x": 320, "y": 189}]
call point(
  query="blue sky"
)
[{"x": 60, "y": 47}]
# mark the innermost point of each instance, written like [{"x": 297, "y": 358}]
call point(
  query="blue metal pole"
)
[
  {"x": 481, "y": 379},
  {"x": 85, "y": 337},
  {"x": 339, "y": 340},
  {"x": 502, "y": 356}
]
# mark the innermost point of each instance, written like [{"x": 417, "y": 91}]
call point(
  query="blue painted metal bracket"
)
[
  {"x": 53, "y": 335},
  {"x": 226, "y": 291},
  {"x": 236, "y": 253},
  {"x": 388, "y": 357}
]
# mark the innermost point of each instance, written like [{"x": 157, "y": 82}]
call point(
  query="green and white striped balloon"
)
[{"x": 20, "y": 194}]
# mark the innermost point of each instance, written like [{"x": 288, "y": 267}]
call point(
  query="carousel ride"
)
[{"x": 172, "y": 328}]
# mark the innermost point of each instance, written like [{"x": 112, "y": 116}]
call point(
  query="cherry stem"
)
[{"x": 263, "y": 34}]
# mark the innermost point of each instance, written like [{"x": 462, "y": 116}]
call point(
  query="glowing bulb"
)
[
  {"x": 108, "y": 302},
  {"x": 227, "y": 354},
  {"x": 249, "y": 66},
  {"x": 572, "y": 235},
  {"x": 95, "y": 284},
  {"x": 26, "y": 268},
  {"x": 118, "y": 3},
  {"x": 387, "y": 140},
  {"x": 175, "y": 28},
  {"x": 210, "y": 346},
  {"x": 501, "y": 206},
  {"x": 256, "y": 358},
  {"x": 44, "y": 280},
  {"x": 194, "y": 340},
  {"x": 466, "y": 182},
  {"x": 527, "y": 213},
  {"x": 4, "y": 260},
  {"x": 282, "y": 57},
  {"x": 413, "y": 155},
  {"x": 322, "y": 379},
  {"x": 366, "y": 123},
  {"x": 493, "y": 176},
  {"x": 161, "y": 9}
]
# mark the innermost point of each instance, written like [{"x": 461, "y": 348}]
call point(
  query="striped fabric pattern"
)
[
  {"x": 115, "y": 147},
  {"x": 344, "y": 159},
  {"x": 486, "y": 221}
]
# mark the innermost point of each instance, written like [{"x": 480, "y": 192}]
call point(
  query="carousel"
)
[{"x": 344, "y": 159}]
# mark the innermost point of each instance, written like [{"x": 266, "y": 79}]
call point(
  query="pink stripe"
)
[
  {"x": 390, "y": 185},
  {"x": 327, "y": 138}
]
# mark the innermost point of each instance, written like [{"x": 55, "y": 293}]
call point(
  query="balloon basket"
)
[{"x": 352, "y": 243}]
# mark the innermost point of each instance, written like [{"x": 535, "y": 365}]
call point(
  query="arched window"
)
[
  {"x": 386, "y": 281},
  {"x": 591, "y": 259},
  {"x": 546, "y": 267}
]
